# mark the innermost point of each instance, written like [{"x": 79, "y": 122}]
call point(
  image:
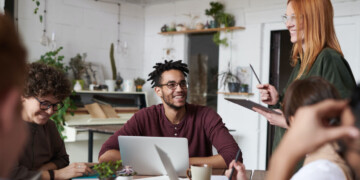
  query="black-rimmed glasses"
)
[
  {"x": 44, "y": 105},
  {"x": 173, "y": 85}
]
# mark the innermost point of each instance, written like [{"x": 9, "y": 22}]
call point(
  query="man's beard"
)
[{"x": 167, "y": 102}]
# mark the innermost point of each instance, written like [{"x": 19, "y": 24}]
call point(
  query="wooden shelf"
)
[
  {"x": 236, "y": 93},
  {"x": 192, "y": 31}
]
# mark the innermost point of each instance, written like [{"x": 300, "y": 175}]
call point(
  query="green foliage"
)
[
  {"x": 228, "y": 20},
  {"x": 218, "y": 41},
  {"x": 77, "y": 65},
  {"x": 139, "y": 81},
  {"x": 51, "y": 58},
  {"x": 37, "y": 3},
  {"x": 112, "y": 61},
  {"x": 107, "y": 169},
  {"x": 215, "y": 10}
]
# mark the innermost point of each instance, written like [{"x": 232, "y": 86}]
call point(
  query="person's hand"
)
[
  {"x": 239, "y": 172},
  {"x": 274, "y": 119},
  {"x": 268, "y": 94},
  {"x": 73, "y": 170},
  {"x": 309, "y": 132}
]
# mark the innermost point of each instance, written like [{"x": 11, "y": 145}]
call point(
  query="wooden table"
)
[{"x": 104, "y": 129}]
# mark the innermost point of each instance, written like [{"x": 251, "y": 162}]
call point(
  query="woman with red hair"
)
[{"x": 316, "y": 52}]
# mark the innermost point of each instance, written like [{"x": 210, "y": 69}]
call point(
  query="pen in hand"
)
[{"x": 236, "y": 159}]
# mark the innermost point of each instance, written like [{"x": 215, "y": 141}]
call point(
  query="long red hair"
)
[{"x": 316, "y": 18}]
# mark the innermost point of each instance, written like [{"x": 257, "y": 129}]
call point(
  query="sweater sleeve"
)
[
  {"x": 60, "y": 157},
  {"x": 21, "y": 172},
  {"x": 220, "y": 137},
  {"x": 129, "y": 129}
]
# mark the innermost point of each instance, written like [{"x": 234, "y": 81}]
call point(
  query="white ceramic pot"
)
[
  {"x": 124, "y": 178},
  {"x": 129, "y": 85},
  {"x": 110, "y": 84}
]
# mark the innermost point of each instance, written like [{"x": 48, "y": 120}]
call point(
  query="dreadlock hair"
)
[{"x": 155, "y": 76}]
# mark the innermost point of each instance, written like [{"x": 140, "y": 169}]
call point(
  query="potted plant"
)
[
  {"x": 107, "y": 170},
  {"x": 215, "y": 10},
  {"x": 126, "y": 173},
  {"x": 244, "y": 88},
  {"x": 111, "y": 82},
  {"x": 77, "y": 65},
  {"x": 230, "y": 79},
  {"x": 139, "y": 82}
]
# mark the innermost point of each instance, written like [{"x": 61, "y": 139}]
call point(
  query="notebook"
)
[{"x": 140, "y": 153}]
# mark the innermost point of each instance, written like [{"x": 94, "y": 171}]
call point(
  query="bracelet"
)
[{"x": 51, "y": 173}]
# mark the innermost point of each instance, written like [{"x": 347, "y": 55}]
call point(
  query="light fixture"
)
[{"x": 45, "y": 40}]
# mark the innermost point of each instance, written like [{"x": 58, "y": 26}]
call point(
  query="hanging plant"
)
[
  {"x": 37, "y": 3},
  {"x": 218, "y": 41}
]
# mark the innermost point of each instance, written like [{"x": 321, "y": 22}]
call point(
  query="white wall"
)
[
  {"x": 87, "y": 26},
  {"x": 249, "y": 46}
]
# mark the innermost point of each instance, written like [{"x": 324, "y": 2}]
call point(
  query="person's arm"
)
[
  {"x": 274, "y": 119},
  {"x": 60, "y": 158},
  {"x": 21, "y": 172},
  {"x": 221, "y": 139},
  {"x": 216, "y": 161},
  {"x": 110, "y": 155},
  {"x": 307, "y": 134},
  {"x": 48, "y": 166},
  {"x": 110, "y": 149}
]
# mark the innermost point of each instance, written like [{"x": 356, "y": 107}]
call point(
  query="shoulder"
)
[
  {"x": 50, "y": 124},
  {"x": 320, "y": 169},
  {"x": 328, "y": 55}
]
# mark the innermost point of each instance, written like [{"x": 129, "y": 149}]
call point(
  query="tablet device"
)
[
  {"x": 250, "y": 104},
  {"x": 140, "y": 153}
]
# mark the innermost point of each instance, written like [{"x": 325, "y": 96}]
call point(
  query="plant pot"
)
[
  {"x": 110, "y": 84},
  {"x": 244, "y": 89},
  {"x": 234, "y": 86},
  {"x": 124, "y": 178},
  {"x": 81, "y": 82},
  {"x": 138, "y": 88}
]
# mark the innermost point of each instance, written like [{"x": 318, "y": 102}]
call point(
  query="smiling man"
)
[{"x": 202, "y": 126}]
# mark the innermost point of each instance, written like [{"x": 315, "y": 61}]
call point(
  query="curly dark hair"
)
[
  {"x": 44, "y": 80},
  {"x": 155, "y": 76}
]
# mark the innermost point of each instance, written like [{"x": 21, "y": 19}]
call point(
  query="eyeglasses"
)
[
  {"x": 173, "y": 85},
  {"x": 291, "y": 18},
  {"x": 44, "y": 105}
]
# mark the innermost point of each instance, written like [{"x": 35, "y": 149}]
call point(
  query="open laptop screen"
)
[{"x": 140, "y": 153}]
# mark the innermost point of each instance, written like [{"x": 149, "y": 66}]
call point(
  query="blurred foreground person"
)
[{"x": 12, "y": 74}]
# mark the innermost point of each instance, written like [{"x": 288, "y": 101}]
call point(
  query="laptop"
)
[{"x": 140, "y": 153}]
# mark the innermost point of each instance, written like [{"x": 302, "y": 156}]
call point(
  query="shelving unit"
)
[
  {"x": 236, "y": 93},
  {"x": 192, "y": 31}
]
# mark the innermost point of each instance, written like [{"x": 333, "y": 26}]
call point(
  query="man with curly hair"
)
[
  {"x": 45, "y": 155},
  {"x": 202, "y": 126}
]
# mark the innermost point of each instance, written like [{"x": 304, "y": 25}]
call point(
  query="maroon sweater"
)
[{"x": 202, "y": 126}]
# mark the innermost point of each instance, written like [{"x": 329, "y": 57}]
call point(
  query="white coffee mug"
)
[
  {"x": 129, "y": 85},
  {"x": 199, "y": 172},
  {"x": 110, "y": 84}
]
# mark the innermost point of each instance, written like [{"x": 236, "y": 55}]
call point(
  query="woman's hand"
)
[
  {"x": 274, "y": 119},
  {"x": 73, "y": 170},
  {"x": 268, "y": 94},
  {"x": 239, "y": 172}
]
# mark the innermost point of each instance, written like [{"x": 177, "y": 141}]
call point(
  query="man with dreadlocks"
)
[{"x": 202, "y": 126}]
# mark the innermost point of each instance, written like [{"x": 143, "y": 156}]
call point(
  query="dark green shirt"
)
[{"x": 329, "y": 65}]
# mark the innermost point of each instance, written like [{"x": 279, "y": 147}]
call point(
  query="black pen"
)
[
  {"x": 255, "y": 73},
  {"x": 236, "y": 159}
]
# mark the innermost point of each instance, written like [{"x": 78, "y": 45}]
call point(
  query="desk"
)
[{"x": 105, "y": 129}]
